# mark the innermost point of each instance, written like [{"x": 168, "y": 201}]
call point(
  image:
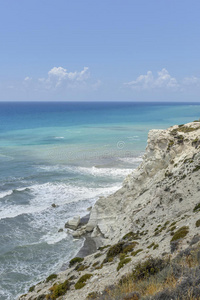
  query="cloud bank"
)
[
  {"x": 163, "y": 80},
  {"x": 61, "y": 77}
]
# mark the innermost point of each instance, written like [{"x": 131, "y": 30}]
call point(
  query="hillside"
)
[{"x": 153, "y": 218}]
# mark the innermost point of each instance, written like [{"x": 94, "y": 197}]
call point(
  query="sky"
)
[{"x": 100, "y": 50}]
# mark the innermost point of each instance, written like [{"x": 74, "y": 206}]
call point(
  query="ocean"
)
[{"x": 67, "y": 154}]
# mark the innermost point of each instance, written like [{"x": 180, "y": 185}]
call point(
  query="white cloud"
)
[
  {"x": 164, "y": 79},
  {"x": 97, "y": 84},
  {"x": 59, "y": 76},
  {"x": 27, "y": 78},
  {"x": 148, "y": 81},
  {"x": 191, "y": 81}
]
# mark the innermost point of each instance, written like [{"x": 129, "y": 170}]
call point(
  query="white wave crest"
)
[
  {"x": 132, "y": 160},
  {"x": 10, "y": 192},
  {"x": 60, "y": 194},
  {"x": 94, "y": 171}
]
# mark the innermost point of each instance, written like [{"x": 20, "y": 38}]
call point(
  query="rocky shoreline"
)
[{"x": 155, "y": 215}]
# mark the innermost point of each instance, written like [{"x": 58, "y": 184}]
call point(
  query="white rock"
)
[{"x": 73, "y": 223}]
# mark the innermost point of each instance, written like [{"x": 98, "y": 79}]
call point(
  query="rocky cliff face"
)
[
  {"x": 157, "y": 185},
  {"x": 156, "y": 213}
]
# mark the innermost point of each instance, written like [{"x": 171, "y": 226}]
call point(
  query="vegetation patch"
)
[
  {"x": 51, "y": 277},
  {"x": 196, "y": 208},
  {"x": 95, "y": 264},
  {"x": 82, "y": 281},
  {"x": 123, "y": 262},
  {"x": 115, "y": 249},
  {"x": 151, "y": 245},
  {"x": 166, "y": 223},
  {"x": 198, "y": 223},
  {"x": 173, "y": 223},
  {"x": 103, "y": 247},
  {"x": 168, "y": 174},
  {"x": 99, "y": 267},
  {"x": 196, "y": 142},
  {"x": 75, "y": 260},
  {"x": 155, "y": 246},
  {"x": 134, "y": 253},
  {"x": 175, "y": 279},
  {"x": 180, "y": 233},
  {"x": 170, "y": 144},
  {"x": 187, "y": 129},
  {"x": 131, "y": 236},
  {"x": 172, "y": 228},
  {"x": 197, "y": 168},
  {"x": 92, "y": 295},
  {"x": 97, "y": 255},
  {"x": 31, "y": 289},
  {"x": 148, "y": 268},
  {"x": 188, "y": 160},
  {"x": 81, "y": 267},
  {"x": 58, "y": 290},
  {"x": 129, "y": 247}
]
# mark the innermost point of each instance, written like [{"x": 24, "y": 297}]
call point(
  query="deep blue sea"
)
[{"x": 68, "y": 154}]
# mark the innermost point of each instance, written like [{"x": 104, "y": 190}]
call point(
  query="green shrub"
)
[
  {"x": 97, "y": 255},
  {"x": 103, "y": 247},
  {"x": 130, "y": 247},
  {"x": 95, "y": 264},
  {"x": 93, "y": 295},
  {"x": 99, "y": 267},
  {"x": 170, "y": 144},
  {"x": 198, "y": 223},
  {"x": 151, "y": 245},
  {"x": 123, "y": 262},
  {"x": 173, "y": 228},
  {"x": 196, "y": 208},
  {"x": 59, "y": 290},
  {"x": 168, "y": 174},
  {"x": 122, "y": 256},
  {"x": 180, "y": 233},
  {"x": 131, "y": 236},
  {"x": 52, "y": 276},
  {"x": 115, "y": 249},
  {"x": 108, "y": 259},
  {"x": 134, "y": 253},
  {"x": 197, "y": 168},
  {"x": 75, "y": 260},
  {"x": 187, "y": 129},
  {"x": 31, "y": 289},
  {"x": 155, "y": 246},
  {"x": 81, "y": 267},
  {"x": 173, "y": 223},
  {"x": 82, "y": 281},
  {"x": 166, "y": 223},
  {"x": 148, "y": 268}
]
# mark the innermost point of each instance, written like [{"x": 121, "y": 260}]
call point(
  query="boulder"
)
[{"x": 73, "y": 223}]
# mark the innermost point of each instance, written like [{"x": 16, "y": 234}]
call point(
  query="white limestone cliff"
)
[{"x": 112, "y": 216}]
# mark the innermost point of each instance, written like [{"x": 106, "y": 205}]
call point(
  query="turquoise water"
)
[{"x": 68, "y": 154}]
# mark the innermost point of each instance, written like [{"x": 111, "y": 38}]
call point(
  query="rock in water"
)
[{"x": 73, "y": 223}]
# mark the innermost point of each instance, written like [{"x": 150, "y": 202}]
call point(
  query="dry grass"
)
[{"x": 168, "y": 280}]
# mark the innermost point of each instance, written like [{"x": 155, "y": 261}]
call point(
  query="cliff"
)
[{"x": 155, "y": 214}]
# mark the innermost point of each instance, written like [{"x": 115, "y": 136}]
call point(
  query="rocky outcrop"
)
[
  {"x": 165, "y": 154},
  {"x": 73, "y": 223},
  {"x": 155, "y": 213}
]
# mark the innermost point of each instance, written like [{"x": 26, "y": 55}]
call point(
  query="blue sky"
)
[{"x": 105, "y": 50}]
